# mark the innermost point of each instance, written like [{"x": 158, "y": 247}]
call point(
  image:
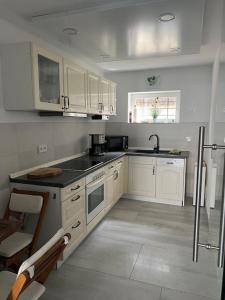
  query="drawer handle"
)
[
  {"x": 75, "y": 199},
  {"x": 169, "y": 163},
  {"x": 76, "y": 188},
  {"x": 77, "y": 225},
  {"x": 111, "y": 167}
]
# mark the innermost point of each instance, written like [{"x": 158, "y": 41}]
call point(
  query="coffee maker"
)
[{"x": 97, "y": 144}]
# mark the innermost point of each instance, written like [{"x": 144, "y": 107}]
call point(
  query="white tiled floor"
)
[{"x": 139, "y": 251}]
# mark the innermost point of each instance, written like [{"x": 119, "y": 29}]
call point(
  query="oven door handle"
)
[{"x": 92, "y": 184}]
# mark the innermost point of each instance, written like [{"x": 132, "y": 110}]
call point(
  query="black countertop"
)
[{"x": 69, "y": 176}]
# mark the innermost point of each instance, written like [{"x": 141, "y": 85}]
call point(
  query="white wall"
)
[{"x": 194, "y": 83}]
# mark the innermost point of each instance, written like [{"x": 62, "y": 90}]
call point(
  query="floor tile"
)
[
  {"x": 135, "y": 251},
  {"x": 80, "y": 284},
  {"x": 168, "y": 294},
  {"x": 174, "y": 269},
  {"x": 106, "y": 255}
]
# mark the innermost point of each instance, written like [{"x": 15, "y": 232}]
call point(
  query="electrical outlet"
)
[{"x": 42, "y": 148}]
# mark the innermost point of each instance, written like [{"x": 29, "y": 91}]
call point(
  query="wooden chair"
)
[
  {"x": 21, "y": 203},
  {"x": 27, "y": 284}
]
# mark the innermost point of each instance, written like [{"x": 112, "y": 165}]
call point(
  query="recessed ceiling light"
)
[
  {"x": 70, "y": 31},
  {"x": 166, "y": 17}
]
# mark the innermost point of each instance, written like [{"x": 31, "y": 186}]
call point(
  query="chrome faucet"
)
[{"x": 156, "y": 148}]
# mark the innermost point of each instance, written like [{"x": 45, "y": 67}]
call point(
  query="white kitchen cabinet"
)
[
  {"x": 32, "y": 78},
  {"x": 105, "y": 96},
  {"x": 75, "y": 87},
  {"x": 94, "y": 106},
  {"x": 35, "y": 78},
  {"x": 109, "y": 193},
  {"x": 112, "y": 98},
  {"x": 142, "y": 176},
  {"x": 159, "y": 180},
  {"x": 170, "y": 179}
]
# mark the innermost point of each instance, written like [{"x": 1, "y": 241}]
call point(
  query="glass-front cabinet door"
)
[{"x": 48, "y": 80}]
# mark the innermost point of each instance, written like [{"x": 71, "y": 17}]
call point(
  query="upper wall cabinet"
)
[
  {"x": 47, "y": 79},
  {"x": 32, "y": 78},
  {"x": 75, "y": 88},
  {"x": 105, "y": 96},
  {"x": 112, "y": 98},
  {"x": 38, "y": 79},
  {"x": 101, "y": 95},
  {"x": 94, "y": 106}
]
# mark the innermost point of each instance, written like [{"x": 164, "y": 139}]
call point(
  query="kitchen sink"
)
[{"x": 154, "y": 152}]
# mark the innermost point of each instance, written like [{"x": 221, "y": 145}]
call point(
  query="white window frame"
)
[{"x": 155, "y": 94}]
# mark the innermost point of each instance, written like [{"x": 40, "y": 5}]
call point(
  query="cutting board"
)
[{"x": 44, "y": 172}]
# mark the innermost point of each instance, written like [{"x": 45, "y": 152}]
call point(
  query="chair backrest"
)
[
  {"x": 23, "y": 203},
  {"x": 28, "y": 202},
  {"x": 40, "y": 264}
]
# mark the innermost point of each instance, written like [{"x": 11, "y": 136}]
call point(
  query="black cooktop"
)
[{"x": 79, "y": 164}]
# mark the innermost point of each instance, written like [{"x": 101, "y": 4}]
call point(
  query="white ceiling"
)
[
  {"x": 132, "y": 32},
  {"x": 28, "y": 8},
  {"x": 124, "y": 34}
]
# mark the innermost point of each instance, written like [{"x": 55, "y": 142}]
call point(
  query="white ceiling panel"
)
[
  {"x": 28, "y": 8},
  {"x": 133, "y": 32}
]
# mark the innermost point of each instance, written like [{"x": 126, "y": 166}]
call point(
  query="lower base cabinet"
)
[
  {"x": 142, "y": 176},
  {"x": 170, "y": 182},
  {"x": 160, "y": 180}
]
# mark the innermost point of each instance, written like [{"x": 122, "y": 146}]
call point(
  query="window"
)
[{"x": 154, "y": 107}]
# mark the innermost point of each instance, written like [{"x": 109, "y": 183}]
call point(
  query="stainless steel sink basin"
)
[{"x": 153, "y": 152}]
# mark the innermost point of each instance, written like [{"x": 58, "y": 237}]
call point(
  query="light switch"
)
[{"x": 188, "y": 139}]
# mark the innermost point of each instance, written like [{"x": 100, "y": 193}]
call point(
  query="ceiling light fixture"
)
[
  {"x": 166, "y": 17},
  {"x": 70, "y": 31}
]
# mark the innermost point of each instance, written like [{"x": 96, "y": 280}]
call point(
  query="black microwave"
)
[{"x": 116, "y": 142}]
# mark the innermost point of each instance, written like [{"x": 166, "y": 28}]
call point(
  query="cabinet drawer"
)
[
  {"x": 142, "y": 160},
  {"x": 77, "y": 228},
  {"x": 72, "y": 207},
  {"x": 109, "y": 169},
  {"x": 72, "y": 189},
  {"x": 78, "y": 231}
]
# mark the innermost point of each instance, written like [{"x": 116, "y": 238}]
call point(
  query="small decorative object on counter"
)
[
  {"x": 130, "y": 117},
  {"x": 155, "y": 109}
]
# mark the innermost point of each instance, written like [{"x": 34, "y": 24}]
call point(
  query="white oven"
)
[{"x": 95, "y": 195}]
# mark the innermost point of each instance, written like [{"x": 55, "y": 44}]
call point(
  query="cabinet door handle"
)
[
  {"x": 77, "y": 225},
  {"x": 76, "y": 188},
  {"x": 169, "y": 163},
  {"x": 75, "y": 199},
  {"x": 153, "y": 171},
  {"x": 111, "y": 167},
  {"x": 64, "y": 102}
]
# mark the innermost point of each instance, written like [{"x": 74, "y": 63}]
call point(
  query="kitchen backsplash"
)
[{"x": 19, "y": 146}]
